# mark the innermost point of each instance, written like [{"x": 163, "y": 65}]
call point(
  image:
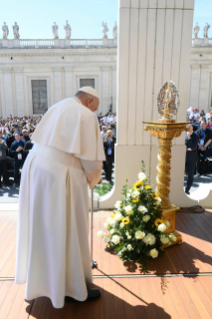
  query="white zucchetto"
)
[{"x": 89, "y": 90}]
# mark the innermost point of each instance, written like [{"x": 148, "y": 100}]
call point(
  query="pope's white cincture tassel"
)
[{"x": 93, "y": 262}]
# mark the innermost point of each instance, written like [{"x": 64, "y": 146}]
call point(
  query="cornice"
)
[{"x": 58, "y": 53}]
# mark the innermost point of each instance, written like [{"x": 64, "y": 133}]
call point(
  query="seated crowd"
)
[
  {"x": 198, "y": 145},
  {"x": 15, "y": 143}
]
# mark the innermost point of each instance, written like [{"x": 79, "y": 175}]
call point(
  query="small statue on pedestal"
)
[
  {"x": 105, "y": 30},
  {"x": 205, "y": 32},
  {"x": 55, "y": 31},
  {"x": 5, "y": 31},
  {"x": 68, "y": 30},
  {"x": 196, "y": 30},
  {"x": 16, "y": 31},
  {"x": 115, "y": 31}
]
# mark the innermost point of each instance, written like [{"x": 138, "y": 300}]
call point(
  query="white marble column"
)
[
  {"x": 58, "y": 93},
  {"x": 8, "y": 92},
  {"x": 154, "y": 47},
  {"x": 203, "y": 88},
  {"x": 114, "y": 86},
  {"x": 68, "y": 82},
  {"x": 105, "y": 98},
  {"x": 19, "y": 92}
]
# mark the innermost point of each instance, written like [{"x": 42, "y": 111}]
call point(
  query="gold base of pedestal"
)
[
  {"x": 178, "y": 241},
  {"x": 170, "y": 216}
]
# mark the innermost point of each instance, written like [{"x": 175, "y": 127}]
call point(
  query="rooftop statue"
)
[
  {"x": 55, "y": 31},
  {"x": 105, "y": 30},
  {"x": 115, "y": 31},
  {"x": 205, "y": 32},
  {"x": 16, "y": 31},
  {"x": 5, "y": 31},
  {"x": 196, "y": 30},
  {"x": 68, "y": 30}
]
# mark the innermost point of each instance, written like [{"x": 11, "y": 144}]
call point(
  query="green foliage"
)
[{"x": 103, "y": 188}]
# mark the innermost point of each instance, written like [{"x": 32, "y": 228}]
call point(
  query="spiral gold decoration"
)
[{"x": 163, "y": 168}]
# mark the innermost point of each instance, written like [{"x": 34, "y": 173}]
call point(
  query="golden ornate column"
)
[{"x": 165, "y": 129}]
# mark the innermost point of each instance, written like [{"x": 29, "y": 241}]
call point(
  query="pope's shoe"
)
[{"x": 93, "y": 294}]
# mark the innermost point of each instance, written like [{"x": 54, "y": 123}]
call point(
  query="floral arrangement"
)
[{"x": 136, "y": 230}]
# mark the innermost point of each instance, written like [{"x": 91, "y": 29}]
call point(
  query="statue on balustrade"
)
[
  {"x": 5, "y": 31},
  {"x": 196, "y": 30},
  {"x": 16, "y": 31},
  {"x": 115, "y": 31},
  {"x": 105, "y": 30},
  {"x": 55, "y": 31},
  {"x": 205, "y": 32},
  {"x": 68, "y": 30}
]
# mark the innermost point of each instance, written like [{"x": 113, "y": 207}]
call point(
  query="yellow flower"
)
[
  {"x": 112, "y": 216},
  {"x": 154, "y": 196},
  {"x": 138, "y": 185},
  {"x": 147, "y": 187},
  {"x": 136, "y": 200},
  {"x": 125, "y": 221},
  {"x": 158, "y": 221}
]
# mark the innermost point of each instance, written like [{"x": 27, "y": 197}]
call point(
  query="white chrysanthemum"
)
[
  {"x": 129, "y": 247},
  {"x": 139, "y": 234},
  {"x": 122, "y": 225},
  {"x": 149, "y": 239},
  {"x": 112, "y": 231},
  {"x": 158, "y": 201},
  {"x": 115, "y": 239},
  {"x": 129, "y": 237},
  {"x": 153, "y": 253},
  {"x": 162, "y": 227},
  {"x": 128, "y": 209},
  {"x": 146, "y": 218},
  {"x": 141, "y": 177},
  {"x": 120, "y": 252},
  {"x": 113, "y": 223},
  {"x": 167, "y": 223},
  {"x": 172, "y": 237},
  {"x": 118, "y": 217},
  {"x": 118, "y": 204},
  {"x": 101, "y": 234},
  {"x": 135, "y": 194},
  {"x": 142, "y": 209},
  {"x": 164, "y": 240},
  {"x": 124, "y": 248},
  {"x": 107, "y": 226},
  {"x": 129, "y": 195}
]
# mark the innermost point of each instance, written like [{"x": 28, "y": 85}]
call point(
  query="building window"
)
[
  {"x": 39, "y": 96},
  {"x": 87, "y": 82}
]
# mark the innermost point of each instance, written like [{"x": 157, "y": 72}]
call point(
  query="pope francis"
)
[{"x": 52, "y": 254}]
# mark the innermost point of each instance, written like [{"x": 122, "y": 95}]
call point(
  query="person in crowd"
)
[
  {"x": 27, "y": 147},
  {"x": 205, "y": 138},
  {"x": 195, "y": 113},
  {"x": 3, "y": 160},
  {"x": 25, "y": 136},
  {"x": 17, "y": 150},
  {"x": 202, "y": 113},
  {"x": 191, "y": 142},
  {"x": 109, "y": 143}
]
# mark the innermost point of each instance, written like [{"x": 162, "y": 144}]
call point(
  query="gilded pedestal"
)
[{"x": 165, "y": 132}]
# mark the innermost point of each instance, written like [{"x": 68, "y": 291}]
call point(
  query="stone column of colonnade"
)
[{"x": 154, "y": 46}]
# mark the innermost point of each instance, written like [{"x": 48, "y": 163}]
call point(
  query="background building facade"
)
[{"x": 36, "y": 74}]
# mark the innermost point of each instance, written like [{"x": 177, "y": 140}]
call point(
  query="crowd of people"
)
[
  {"x": 107, "y": 125},
  {"x": 198, "y": 145},
  {"x": 15, "y": 144}
]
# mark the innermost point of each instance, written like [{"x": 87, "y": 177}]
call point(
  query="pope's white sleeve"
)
[{"x": 93, "y": 171}]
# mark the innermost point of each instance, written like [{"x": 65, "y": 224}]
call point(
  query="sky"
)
[{"x": 35, "y": 18}]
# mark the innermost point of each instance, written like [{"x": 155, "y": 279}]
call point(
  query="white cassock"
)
[{"x": 52, "y": 255}]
